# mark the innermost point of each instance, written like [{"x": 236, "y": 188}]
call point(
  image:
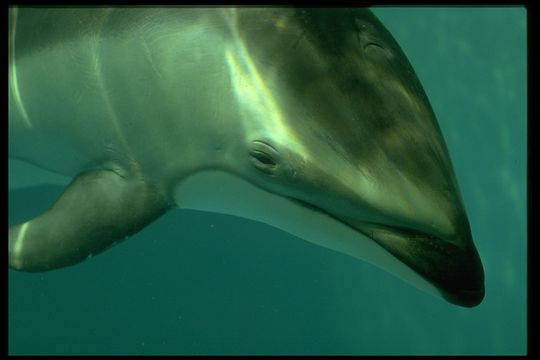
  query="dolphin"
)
[{"x": 310, "y": 120}]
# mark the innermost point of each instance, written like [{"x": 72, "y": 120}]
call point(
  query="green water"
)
[{"x": 199, "y": 283}]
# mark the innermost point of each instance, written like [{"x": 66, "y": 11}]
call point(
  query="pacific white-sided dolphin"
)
[{"x": 311, "y": 120}]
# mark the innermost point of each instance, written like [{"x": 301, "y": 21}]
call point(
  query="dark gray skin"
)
[{"x": 319, "y": 107}]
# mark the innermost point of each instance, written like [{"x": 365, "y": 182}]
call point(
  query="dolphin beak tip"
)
[
  {"x": 472, "y": 290},
  {"x": 466, "y": 298}
]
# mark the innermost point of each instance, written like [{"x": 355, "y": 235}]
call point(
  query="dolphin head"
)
[{"x": 337, "y": 121}]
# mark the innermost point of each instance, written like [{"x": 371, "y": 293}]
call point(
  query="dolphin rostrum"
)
[{"x": 310, "y": 120}]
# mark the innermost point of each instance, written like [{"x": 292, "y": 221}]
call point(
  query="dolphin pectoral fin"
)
[{"x": 98, "y": 209}]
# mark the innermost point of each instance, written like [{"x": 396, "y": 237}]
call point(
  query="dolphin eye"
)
[{"x": 264, "y": 157}]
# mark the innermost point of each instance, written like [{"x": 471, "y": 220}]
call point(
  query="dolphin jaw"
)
[{"x": 452, "y": 265}]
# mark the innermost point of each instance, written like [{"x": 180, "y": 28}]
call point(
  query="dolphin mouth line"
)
[
  {"x": 454, "y": 270},
  {"x": 368, "y": 227}
]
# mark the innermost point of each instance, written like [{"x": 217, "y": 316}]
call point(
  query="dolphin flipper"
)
[{"x": 98, "y": 209}]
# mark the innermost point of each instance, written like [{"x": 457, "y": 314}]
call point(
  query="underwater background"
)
[{"x": 202, "y": 283}]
